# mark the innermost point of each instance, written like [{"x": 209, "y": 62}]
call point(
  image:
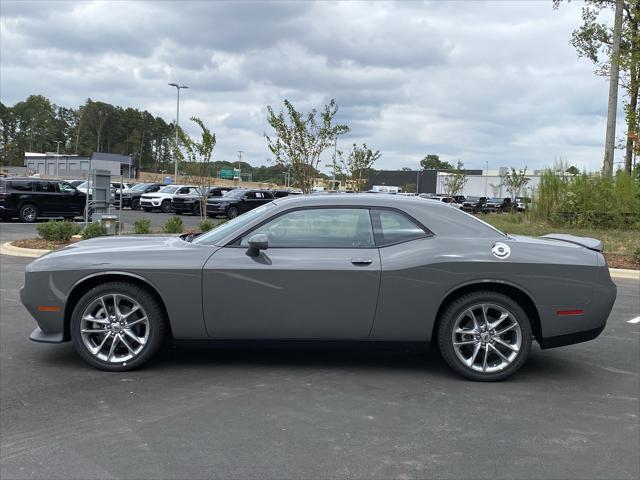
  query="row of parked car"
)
[
  {"x": 484, "y": 204},
  {"x": 30, "y": 198}
]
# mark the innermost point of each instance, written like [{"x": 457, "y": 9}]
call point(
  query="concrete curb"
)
[{"x": 8, "y": 249}]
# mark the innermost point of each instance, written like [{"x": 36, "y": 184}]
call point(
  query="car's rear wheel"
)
[
  {"x": 117, "y": 326},
  {"x": 485, "y": 336},
  {"x": 232, "y": 213},
  {"x": 28, "y": 213},
  {"x": 135, "y": 204}
]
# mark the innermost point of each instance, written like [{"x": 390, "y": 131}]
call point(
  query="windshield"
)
[
  {"x": 83, "y": 185},
  {"x": 139, "y": 187},
  {"x": 213, "y": 237},
  {"x": 496, "y": 200},
  {"x": 235, "y": 194},
  {"x": 473, "y": 199},
  {"x": 168, "y": 189}
]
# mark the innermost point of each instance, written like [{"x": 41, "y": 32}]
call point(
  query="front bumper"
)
[
  {"x": 50, "y": 323},
  {"x": 150, "y": 203},
  {"x": 214, "y": 209}
]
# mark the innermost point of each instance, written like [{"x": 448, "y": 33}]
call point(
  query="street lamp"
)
[
  {"x": 178, "y": 87},
  {"x": 486, "y": 178},
  {"x": 58, "y": 156}
]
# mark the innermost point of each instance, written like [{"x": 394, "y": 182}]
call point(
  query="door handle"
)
[{"x": 361, "y": 261}]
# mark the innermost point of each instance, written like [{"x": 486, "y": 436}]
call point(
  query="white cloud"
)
[{"x": 480, "y": 81}]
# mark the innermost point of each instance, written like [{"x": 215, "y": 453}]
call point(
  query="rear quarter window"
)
[{"x": 22, "y": 186}]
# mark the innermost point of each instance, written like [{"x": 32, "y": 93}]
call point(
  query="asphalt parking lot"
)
[
  {"x": 323, "y": 413},
  {"x": 14, "y": 230}
]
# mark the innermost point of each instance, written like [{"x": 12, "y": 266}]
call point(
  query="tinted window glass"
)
[
  {"x": 22, "y": 186},
  {"x": 235, "y": 193},
  {"x": 169, "y": 189},
  {"x": 394, "y": 227},
  {"x": 318, "y": 228},
  {"x": 46, "y": 187},
  {"x": 215, "y": 236}
]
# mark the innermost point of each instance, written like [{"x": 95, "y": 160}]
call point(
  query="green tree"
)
[
  {"x": 300, "y": 138},
  {"x": 572, "y": 170},
  {"x": 455, "y": 181},
  {"x": 515, "y": 181},
  {"x": 357, "y": 165},
  {"x": 197, "y": 155},
  {"x": 433, "y": 162},
  {"x": 593, "y": 40}
]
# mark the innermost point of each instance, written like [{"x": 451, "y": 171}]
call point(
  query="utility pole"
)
[
  {"x": 613, "y": 91},
  {"x": 335, "y": 151},
  {"x": 418, "y": 182},
  {"x": 178, "y": 88},
  {"x": 486, "y": 178},
  {"x": 240, "y": 152},
  {"x": 57, "y": 156}
]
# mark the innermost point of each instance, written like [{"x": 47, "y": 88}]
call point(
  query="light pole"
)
[
  {"x": 418, "y": 182},
  {"x": 178, "y": 87},
  {"x": 486, "y": 178},
  {"x": 58, "y": 156}
]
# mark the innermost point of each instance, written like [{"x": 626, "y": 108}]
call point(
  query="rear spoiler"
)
[{"x": 590, "y": 243}]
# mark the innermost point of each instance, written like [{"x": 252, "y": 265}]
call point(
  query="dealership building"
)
[
  {"x": 480, "y": 183},
  {"x": 53, "y": 165}
]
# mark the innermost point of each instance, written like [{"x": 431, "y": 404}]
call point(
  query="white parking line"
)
[{"x": 634, "y": 320}]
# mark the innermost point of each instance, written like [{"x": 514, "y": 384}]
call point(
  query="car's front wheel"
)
[
  {"x": 232, "y": 213},
  {"x": 485, "y": 336},
  {"x": 117, "y": 326},
  {"x": 135, "y": 204},
  {"x": 165, "y": 206}
]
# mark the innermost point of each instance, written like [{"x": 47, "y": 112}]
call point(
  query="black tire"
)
[
  {"x": 157, "y": 325},
  {"x": 456, "y": 308},
  {"x": 232, "y": 213},
  {"x": 135, "y": 204},
  {"x": 28, "y": 213},
  {"x": 165, "y": 206}
]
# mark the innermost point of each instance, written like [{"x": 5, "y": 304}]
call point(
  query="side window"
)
[
  {"x": 65, "y": 188},
  {"x": 250, "y": 195},
  {"x": 394, "y": 227},
  {"x": 183, "y": 190},
  {"x": 48, "y": 187},
  {"x": 22, "y": 186},
  {"x": 318, "y": 228},
  {"x": 155, "y": 188}
]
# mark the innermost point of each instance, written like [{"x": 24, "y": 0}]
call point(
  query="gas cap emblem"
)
[{"x": 500, "y": 250}]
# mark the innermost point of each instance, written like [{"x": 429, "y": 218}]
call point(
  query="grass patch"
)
[{"x": 624, "y": 242}]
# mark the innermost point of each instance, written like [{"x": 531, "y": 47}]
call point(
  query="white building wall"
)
[{"x": 487, "y": 185}]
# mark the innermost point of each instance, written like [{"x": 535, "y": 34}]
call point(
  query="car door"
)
[
  {"x": 318, "y": 279},
  {"x": 73, "y": 201},
  {"x": 48, "y": 200}
]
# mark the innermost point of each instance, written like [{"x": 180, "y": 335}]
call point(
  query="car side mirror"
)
[{"x": 257, "y": 242}]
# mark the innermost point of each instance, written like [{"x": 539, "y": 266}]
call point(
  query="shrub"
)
[
  {"x": 60, "y": 231},
  {"x": 142, "y": 226},
  {"x": 173, "y": 225},
  {"x": 94, "y": 229},
  {"x": 636, "y": 254},
  {"x": 206, "y": 225}
]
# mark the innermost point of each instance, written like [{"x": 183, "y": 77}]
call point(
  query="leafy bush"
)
[
  {"x": 206, "y": 225},
  {"x": 142, "y": 226},
  {"x": 173, "y": 225},
  {"x": 587, "y": 200},
  {"x": 94, "y": 229},
  {"x": 636, "y": 254},
  {"x": 60, "y": 231}
]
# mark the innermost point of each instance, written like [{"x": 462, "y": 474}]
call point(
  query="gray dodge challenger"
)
[{"x": 359, "y": 267}]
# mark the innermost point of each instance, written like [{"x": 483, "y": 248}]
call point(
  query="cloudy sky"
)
[{"x": 478, "y": 81}]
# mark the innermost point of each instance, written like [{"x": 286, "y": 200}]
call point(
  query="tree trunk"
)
[
  {"x": 633, "y": 98},
  {"x": 613, "y": 91}
]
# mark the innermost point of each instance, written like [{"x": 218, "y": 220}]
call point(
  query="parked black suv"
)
[
  {"x": 191, "y": 203},
  {"x": 473, "y": 204},
  {"x": 131, "y": 197},
  {"x": 30, "y": 198},
  {"x": 237, "y": 202},
  {"x": 497, "y": 204}
]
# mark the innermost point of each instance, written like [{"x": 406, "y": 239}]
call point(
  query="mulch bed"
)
[
  {"x": 40, "y": 244},
  {"x": 617, "y": 260}
]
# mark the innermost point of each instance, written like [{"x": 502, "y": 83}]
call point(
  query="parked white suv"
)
[{"x": 162, "y": 198}]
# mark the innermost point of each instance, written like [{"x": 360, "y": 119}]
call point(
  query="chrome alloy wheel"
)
[
  {"x": 486, "y": 338},
  {"x": 114, "y": 328},
  {"x": 29, "y": 213}
]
